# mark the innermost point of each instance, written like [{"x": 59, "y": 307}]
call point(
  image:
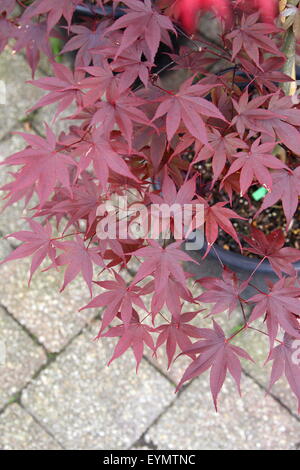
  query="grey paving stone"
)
[
  {"x": 47, "y": 115},
  {"x": 252, "y": 422},
  {"x": 19, "y": 431},
  {"x": 5, "y": 248},
  {"x": 21, "y": 360},
  {"x": 87, "y": 405},
  {"x": 257, "y": 345},
  {"x": 51, "y": 316},
  {"x": 20, "y": 96}
]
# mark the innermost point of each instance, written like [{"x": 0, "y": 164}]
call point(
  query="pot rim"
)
[{"x": 244, "y": 263}]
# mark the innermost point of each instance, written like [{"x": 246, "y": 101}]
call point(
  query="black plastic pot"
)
[
  {"x": 243, "y": 266},
  {"x": 92, "y": 11},
  {"x": 211, "y": 266}
]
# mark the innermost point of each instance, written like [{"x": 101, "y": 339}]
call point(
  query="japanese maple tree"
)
[{"x": 234, "y": 115}]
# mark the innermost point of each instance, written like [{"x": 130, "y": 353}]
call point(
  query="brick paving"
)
[{"x": 55, "y": 390}]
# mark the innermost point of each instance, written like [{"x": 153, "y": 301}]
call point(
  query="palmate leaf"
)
[
  {"x": 143, "y": 22},
  {"x": 78, "y": 258},
  {"x": 286, "y": 361},
  {"x": 122, "y": 109},
  {"x": 65, "y": 87},
  {"x": 130, "y": 66},
  {"x": 271, "y": 246},
  {"x": 98, "y": 151},
  {"x": 268, "y": 73},
  {"x": 134, "y": 336},
  {"x": 189, "y": 107},
  {"x": 281, "y": 305},
  {"x": 172, "y": 297},
  {"x": 177, "y": 333},
  {"x": 36, "y": 243},
  {"x": 284, "y": 124},
  {"x": 162, "y": 263},
  {"x": 218, "y": 216},
  {"x": 142, "y": 141},
  {"x": 253, "y": 165},
  {"x": 88, "y": 42},
  {"x": 250, "y": 114},
  {"x": 42, "y": 166},
  {"x": 32, "y": 37},
  {"x": 251, "y": 36},
  {"x": 225, "y": 293},
  {"x": 217, "y": 354},
  {"x": 118, "y": 299},
  {"x": 101, "y": 79},
  {"x": 286, "y": 187},
  {"x": 55, "y": 9},
  {"x": 221, "y": 147}
]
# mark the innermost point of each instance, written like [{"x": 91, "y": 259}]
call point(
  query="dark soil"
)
[{"x": 269, "y": 220}]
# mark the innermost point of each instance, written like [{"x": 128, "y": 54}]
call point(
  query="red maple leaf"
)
[
  {"x": 55, "y": 9},
  {"x": 267, "y": 75},
  {"x": 121, "y": 109},
  {"x": 118, "y": 298},
  {"x": 177, "y": 333},
  {"x": 217, "y": 353},
  {"x": 283, "y": 124},
  {"x": 143, "y": 22},
  {"x": 98, "y": 150},
  {"x": 37, "y": 242},
  {"x": 286, "y": 186},
  {"x": 216, "y": 216},
  {"x": 188, "y": 107},
  {"x": 161, "y": 263},
  {"x": 221, "y": 147},
  {"x": 134, "y": 336},
  {"x": 285, "y": 363},
  {"x": 42, "y": 165},
  {"x": 252, "y": 37},
  {"x": 89, "y": 43},
  {"x": 64, "y": 87},
  {"x": 271, "y": 247},
  {"x": 254, "y": 165},
  {"x": 224, "y": 293},
  {"x": 130, "y": 67},
  {"x": 172, "y": 296},
  {"x": 33, "y": 37},
  {"x": 82, "y": 205},
  {"x": 281, "y": 304},
  {"x": 101, "y": 78},
  {"x": 250, "y": 115},
  {"x": 78, "y": 258},
  {"x": 182, "y": 218}
]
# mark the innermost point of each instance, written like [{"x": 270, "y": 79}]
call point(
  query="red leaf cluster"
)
[{"x": 138, "y": 144}]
